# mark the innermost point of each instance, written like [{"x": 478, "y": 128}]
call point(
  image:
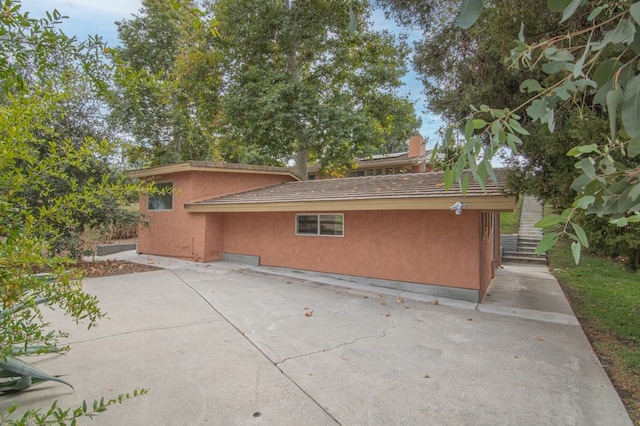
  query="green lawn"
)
[
  {"x": 606, "y": 298},
  {"x": 510, "y": 221}
]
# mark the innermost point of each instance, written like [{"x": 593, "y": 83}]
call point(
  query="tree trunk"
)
[
  {"x": 302, "y": 151},
  {"x": 301, "y": 163}
]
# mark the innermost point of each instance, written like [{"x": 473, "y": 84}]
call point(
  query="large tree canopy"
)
[
  {"x": 300, "y": 83},
  {"x": 166, "y": 84}
]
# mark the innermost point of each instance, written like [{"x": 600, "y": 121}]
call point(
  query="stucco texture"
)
[
  {"x": 176, "y": 232},
  {"x": 428, "y": 247}
]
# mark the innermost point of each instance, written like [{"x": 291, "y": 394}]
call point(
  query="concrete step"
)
[
  {"x": 527, "y": 248},
  {"x": 529, "y": 236},
  {"x": 523, "y": 259}
]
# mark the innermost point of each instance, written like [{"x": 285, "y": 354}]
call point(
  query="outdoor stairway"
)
[{"x": 529, "y": 236}]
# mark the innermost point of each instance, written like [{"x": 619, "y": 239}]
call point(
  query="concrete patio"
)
[{"x": 231, "y": 344}]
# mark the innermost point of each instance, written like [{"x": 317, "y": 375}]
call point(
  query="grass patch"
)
[
  {"x": 510, "y": 221},
  {"x": 606, "y": 299}
]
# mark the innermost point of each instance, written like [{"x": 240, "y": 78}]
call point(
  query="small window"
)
[
  {"x": 320, "y": 224},
  {"x": 163, "y": 200}
]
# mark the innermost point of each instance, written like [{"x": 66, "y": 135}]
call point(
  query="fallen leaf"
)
[
  {"x": 308, "y": 314},
  {"x": 436, "y": 302},
  {"x": 419, "y": 320},
  {"x": 383, "y": 303},
  {"x": 426, "y": 376},
  {"x": 469, "y": 319},
  {"x": 365, "y": 297},
  {"x": 242, "y": 332},
  {"x": 306, "y": 308},
  {"x": 400, "y": 300},
  {"x": 406, "y": 307},
  {"x": 388, "y": 314},
  {"x": 539, "y": 338}
]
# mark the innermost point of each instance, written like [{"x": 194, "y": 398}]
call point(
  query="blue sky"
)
[{"x": 91, "y": 17}]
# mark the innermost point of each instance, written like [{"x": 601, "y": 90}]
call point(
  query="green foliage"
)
[
  {"x": 54, "y": 181},
  {"x": 165, "y": 98},
  {"x": 610, "y": 240},
  {"x": 589, "y": 65},
  {"x": 60, "y": 416}
]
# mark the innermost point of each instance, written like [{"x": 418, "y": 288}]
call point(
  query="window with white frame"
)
[
  {"x": 328, "y": 224},
  {"x": 163, "y": 200}
]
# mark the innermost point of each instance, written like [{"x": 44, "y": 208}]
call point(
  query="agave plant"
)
[{"x": 17, "y": 375}]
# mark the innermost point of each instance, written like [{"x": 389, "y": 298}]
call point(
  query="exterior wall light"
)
[{"x": 457, "y": 207}]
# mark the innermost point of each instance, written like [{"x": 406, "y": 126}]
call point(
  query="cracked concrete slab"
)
[{"x": 221, "y": 343}]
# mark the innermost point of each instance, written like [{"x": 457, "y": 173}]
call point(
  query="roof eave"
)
[
  {"x": 194, "y": 166},
  {"x": 496, "y": 203}
]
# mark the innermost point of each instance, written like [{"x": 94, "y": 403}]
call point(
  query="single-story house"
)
[{"x": 394, "y": 230}]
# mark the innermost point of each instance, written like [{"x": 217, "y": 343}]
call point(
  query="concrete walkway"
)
[
  {"x": 530, "y": 215},
  {"x": 229, "y": 344}
]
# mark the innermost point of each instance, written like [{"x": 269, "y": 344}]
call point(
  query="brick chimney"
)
[{"x": 417, "y": 146}]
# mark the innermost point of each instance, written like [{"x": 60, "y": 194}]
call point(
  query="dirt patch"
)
[{"x": 105, "y": 268}]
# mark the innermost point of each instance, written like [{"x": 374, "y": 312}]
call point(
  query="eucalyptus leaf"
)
[
  {"x": 479, "y": 123},
  {"x": 558, "y": 55},
  {"x": 549, "y": 220},
  {"x": 633, "y": 147},
  {"x": 531, "y": 86},
  {"x": 600, "y": 97},
  {"x": 586, "y": 164},
  {"x": 631, "y": 107},
  {"x": 548, "y": 240},
  {"x": 469, "y": 13},
  {"x": 582, "y": 236},
  {"x": 634, "y": 10},
  {"x": 595, "y": 13},
  {"x": 515, "y": 125},
  {"x": 537, "y": 109},
  {"x": 448, "y": 178},
  {"x": 620, "y": 222},
  {"x": 571, "y": 9},
  {"x": 576, "y": 249},
  {"x": 585, "y": 201},
  {"x": 614, "y": 98},
  {"x": 554, "y": 67},
  {"x": 468, "y": 129},
  {"x": 606, "y": 71}
]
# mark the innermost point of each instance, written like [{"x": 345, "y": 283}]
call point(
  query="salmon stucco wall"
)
[
  {"x": 177, "y": 233},
  {"x": 429, "y": 247},
  {"x": 486, "y": 249}
]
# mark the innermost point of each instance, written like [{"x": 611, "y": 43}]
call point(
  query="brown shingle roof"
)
[{"x": 415, "y": 185}]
